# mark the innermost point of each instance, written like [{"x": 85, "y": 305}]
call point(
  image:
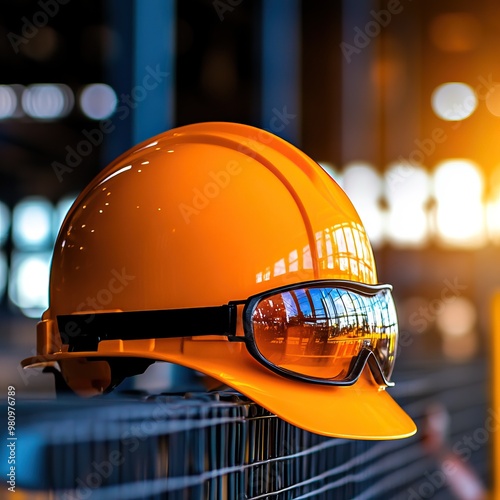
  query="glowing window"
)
[
  {"x": 407, "y": 227},
  {"x": 493, "y": 220},
  {"x": 407, "y": 193},
  {"x": 460, "y": 218},
  {"x": 493, "y": 206},
  {"x": 293, "y": 261},
  {"x": 29, "y": 282},
  {"x": 454, "y": 101},
  {"x": 32, "y": 224},
  {"x": 279, "y": 268},
  {"x": 363, "y": 185}
]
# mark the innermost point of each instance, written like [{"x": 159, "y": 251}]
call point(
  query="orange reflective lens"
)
[{"x": 321, "y": 331}]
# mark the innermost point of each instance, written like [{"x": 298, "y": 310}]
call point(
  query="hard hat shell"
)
[{"x": 199, "y": 216}]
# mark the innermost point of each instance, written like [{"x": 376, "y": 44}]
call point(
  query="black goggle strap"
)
[{"x": 83, "y": 332}]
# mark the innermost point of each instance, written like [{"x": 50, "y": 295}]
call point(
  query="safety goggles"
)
[{"x": 322, "y": 331}]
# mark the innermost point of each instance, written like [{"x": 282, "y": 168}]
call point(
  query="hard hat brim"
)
[{"x": 361, "y": 411}]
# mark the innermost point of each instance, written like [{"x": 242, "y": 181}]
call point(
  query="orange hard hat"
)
[{"x": 225, "y": 249}]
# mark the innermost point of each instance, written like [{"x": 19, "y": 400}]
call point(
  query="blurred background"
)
[{"x": 398, "y": 100}]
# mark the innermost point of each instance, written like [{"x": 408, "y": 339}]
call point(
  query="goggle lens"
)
[{"x": 319, "y": 331}]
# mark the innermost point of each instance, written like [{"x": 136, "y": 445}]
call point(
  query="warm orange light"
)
[
  {"x": 456, "y": 323},
  {"x": 458, "y": 188},
  {"x": 455, "y": 32},
  {"x": 493, "y": 100},
  {"x": 363, "y": 185},
  {"x": 407, "y": 192}
]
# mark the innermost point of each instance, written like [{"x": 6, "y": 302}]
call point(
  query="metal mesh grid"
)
[{"x": 222, "y": 446}]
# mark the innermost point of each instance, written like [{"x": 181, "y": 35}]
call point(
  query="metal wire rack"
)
[{"x": 222, "y": 446}]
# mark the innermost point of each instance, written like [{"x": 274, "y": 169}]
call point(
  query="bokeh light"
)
[
  {"x": 98, "y": 101},
  {"x": 363, "y": 185},
  {"x": 492, "y": 100},
  {"x": 29, "y": 282},
  {"x": 455, "y": 32},
  {"x": 4, "y": 222},
  {"x": 493, "y": 206},
  {"x": 454, "y": 101},
  {"x": 47, "y": 101},
  {"x": 458, "y": 189},
  {"x": 3, "y": 273},
  {"x": 47, "y": 42},
  {"x": 32, "y": 220},
  {"x": 8, "y": 102},
  {"x": 456, "y": 322},
  {"x": 407, "y": 191}
]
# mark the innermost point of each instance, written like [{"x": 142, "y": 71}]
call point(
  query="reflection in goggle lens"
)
[{"x": 319, "y": 332}]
